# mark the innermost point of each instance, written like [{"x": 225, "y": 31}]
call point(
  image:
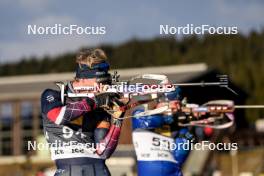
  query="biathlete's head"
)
[{"x": 92, "y": 68}]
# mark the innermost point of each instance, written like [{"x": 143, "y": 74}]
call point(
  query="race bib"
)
[
  {"x": 73, "y": 150},
  {"x": 150, "y": 146}
]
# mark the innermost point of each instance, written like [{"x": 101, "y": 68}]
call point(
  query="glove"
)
[
  {"x": 184, "y": 133},
  {"x": 106, "y": 99},
  {"x": 180, "y": 153}
]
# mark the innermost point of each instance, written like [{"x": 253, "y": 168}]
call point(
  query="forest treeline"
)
[{"x": 239, "y": 56}]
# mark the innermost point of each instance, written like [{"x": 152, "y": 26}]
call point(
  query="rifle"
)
[
  {"x": 163, "y": 80},
  {"x": 218, "y": 110}
]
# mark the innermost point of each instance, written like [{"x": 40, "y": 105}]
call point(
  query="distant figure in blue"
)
[{"x": 155, "y": 138}]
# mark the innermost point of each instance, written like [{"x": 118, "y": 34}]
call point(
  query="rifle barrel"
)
[
  {"x": 249, "y": 106},
  {"x": 199, "y": 84}
]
